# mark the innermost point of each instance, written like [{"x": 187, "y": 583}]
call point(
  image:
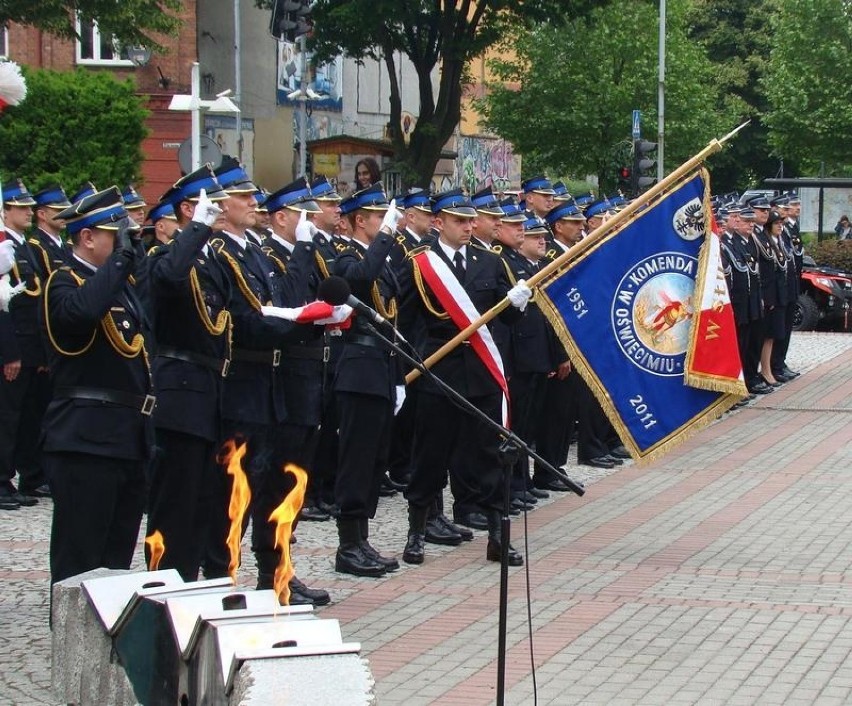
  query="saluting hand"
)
[
  {"x": 391, "y": 218},
  {"x": 305, "y": 230},
  {"x": 206, "y": 211}
]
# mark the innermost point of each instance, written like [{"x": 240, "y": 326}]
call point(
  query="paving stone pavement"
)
[{"x": 720, "y": 574}]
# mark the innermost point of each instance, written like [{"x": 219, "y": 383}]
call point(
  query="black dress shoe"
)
[
  {"x": 332, "y": 509},
  {"x": 616, "y": 461},
  {"x": 311, "y": 513},
  {"x": 760, "y": 388},
  {"x": 438, "y": 533},
  {"x": 24, "y": 500},
  {"x": 415, "y": 548},
  {"x": 386, "y": 490},
  {"x": 7, "y": 502},
  {"x": 492, "y": 553},
  {"x": 43, "y": 491},
  {"x": 525, "y": 497},
  {"x": 790, "y": 373},
  {"x": 463, "y": 532},
  {"x": 474, "y": 520},
  {"x": 371, "y": 552},
  {"x": 621, "y": 452},
  {"x": 350, "y": 559},
  {"x": 555, "y": 484},
  {"x": 538, "y": 492},
  {"x": 316, "y": 596},
  {"x": 398, "y": 484},
  {"x": 519, "y": 505},
  {"x": 772, "y": 384},
  {"x": 599, "y": 462}
]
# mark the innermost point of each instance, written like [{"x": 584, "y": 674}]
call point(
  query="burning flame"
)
[
  {"x": 232, "y": 455},
  {"x": 156, "y": 549},
  {"x": 283, "y": 516}
]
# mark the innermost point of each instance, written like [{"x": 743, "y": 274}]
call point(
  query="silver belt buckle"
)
[
  {"x": 276, "y": 358},
  {"x": 148, "y": 405}
]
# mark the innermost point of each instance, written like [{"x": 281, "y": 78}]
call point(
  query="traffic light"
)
[
  {"x": 290, "y": 19},
  {"x": 644, "y": 164},
  {"x": 624, "y": 174}
]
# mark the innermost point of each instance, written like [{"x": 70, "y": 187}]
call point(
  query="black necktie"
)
[{"x": 458, "y": 262}]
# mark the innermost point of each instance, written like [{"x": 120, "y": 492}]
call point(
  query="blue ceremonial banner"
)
[{"x": 623, "y": 308}]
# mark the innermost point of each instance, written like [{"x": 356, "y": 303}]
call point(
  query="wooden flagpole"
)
[{"x": 598, "y": 233}]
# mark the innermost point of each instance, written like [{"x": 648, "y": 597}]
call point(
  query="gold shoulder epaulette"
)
[
  {"x": 400, "y": 238},
  {"x": 416, "y": 251},
  {"x": 550, "y": 254},
  {"x": 217, "y": 244},
  {"x": 340, "y": 247}
]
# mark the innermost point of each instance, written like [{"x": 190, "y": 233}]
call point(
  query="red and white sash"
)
[{"x": 456, "y": 302}]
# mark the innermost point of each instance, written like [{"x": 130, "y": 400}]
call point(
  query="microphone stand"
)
[{"x": 509, "y": 450}]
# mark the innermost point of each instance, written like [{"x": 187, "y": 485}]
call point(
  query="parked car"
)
[{"x": 825, "y": 299}]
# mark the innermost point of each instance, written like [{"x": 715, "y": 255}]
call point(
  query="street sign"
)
[{"x": 637, "y": 117}]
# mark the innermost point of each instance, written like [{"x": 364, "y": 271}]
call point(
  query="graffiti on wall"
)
[{"x": 485, "y": 162}]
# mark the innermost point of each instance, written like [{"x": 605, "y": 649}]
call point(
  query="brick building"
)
[{"x": 157, "y": 80}]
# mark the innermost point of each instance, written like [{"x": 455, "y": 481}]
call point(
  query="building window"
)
[
  {"x": 4, "y": 42},
  {"x": 95, "y": 48}
]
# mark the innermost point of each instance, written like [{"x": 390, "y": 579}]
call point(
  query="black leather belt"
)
[
  {"x": 364, "y": 341},
  {"x": 306, "y": 352},
  {"x": 272, "y": 357},
  {"x": 144, "y": 403},
  {"x": 216, "y": 364}
]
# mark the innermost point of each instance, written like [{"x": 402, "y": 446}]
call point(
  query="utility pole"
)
[{"x": 661, "y": 93}]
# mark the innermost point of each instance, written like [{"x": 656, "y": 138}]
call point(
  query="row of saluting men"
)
[{"x": 155, "y": 361}]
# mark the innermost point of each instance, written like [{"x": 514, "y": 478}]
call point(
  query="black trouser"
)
[
  {"x": 781, "y": 345},
  {"x": 445, "y": 436},
  {"x": 402, "y": 434},
  {"x": 755, "y": 348},
  {"x": 290, "y": 444},
  {"x": 594, "y": 427},
  {"x": 181, "y": 498},
  {"x": 327, "y": 450},
  {"x": 22, "y": 405},
  {"x": 556, "y": 423},
  {"x": 365, "y": 423},
  {"x": 97, "y": 510},
  {"x": 527, "y": 394}
]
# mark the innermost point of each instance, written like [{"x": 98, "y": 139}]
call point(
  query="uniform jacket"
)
[
  {"x": 368, "y": 368},
  {"x": 20, "y": 338},
  {"x": 773, "y": 275},
  {"x": 486, "y": 281},
  {"x": 253, "y": 390},
  {"x": 48, "y": 255},
  {"x": 190, "y": 295},
  {"x": 303, "y": 360},
  {"x": 96, "y": 331}
]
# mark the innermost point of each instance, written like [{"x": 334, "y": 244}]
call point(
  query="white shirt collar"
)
[
  {"x": 56, "y": 239},
  {"x": 450, "y": 253},
  {"x": 413, "y": 235},
  {"x": 17, "y": 237},
  {"x": 83, "y": 262},
  {"x": 241, "y": 241},
  {"x": 278, "y": 239}
]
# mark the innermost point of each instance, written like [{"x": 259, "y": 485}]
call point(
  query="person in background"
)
[
  {"x": 843, "y": 228},
  {"x": 367, "y": 173}
]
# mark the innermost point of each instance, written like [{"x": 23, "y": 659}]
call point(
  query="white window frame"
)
[{"x": 96, "y": 49}]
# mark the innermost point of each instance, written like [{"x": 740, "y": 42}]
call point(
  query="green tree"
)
[
  {"x": 579, "y": 85},
  {"x": 432, "y": 35},
  {"x": 74, "y": 126},
  {"x": 130, "y": 21},
  {"x": 737, "y": 39},
  {"x": 808, "y": 83}
]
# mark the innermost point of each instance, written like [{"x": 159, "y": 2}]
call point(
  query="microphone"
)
[{"x": 335, "y": 290}]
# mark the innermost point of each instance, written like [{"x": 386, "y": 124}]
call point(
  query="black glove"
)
[{"x": 127, "y": 238}]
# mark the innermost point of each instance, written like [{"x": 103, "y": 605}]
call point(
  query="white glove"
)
[
  {"x": 400, "y": 399},
  {"x": 206, "y": 211},
  {"x": 305, "y": 230},
  {"x": 7, "y": 256},
  {"x": 341, "y": 313},
  {"x": 391, "y": 218},
  {"x": 519, "y": 295},
  {"x": 7, "y": 291}
]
